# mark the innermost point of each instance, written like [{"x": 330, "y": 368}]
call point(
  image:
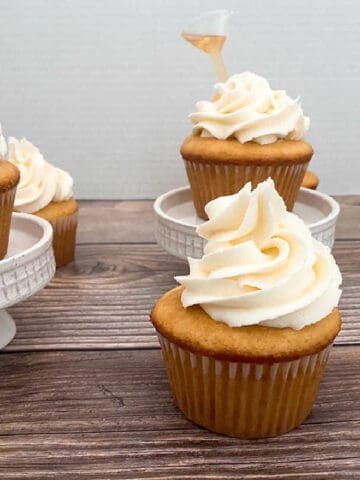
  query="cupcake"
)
[
  {"x": 46, "y": 191},
  {"x": 246, "y": 337},
  {"x": 311, "y": 180},
  {"x": 9, "y": 178},
  {"x": 248, "y": 133}
]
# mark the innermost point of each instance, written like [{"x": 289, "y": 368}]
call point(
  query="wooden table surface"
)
[{"x": 84, "y": 394}]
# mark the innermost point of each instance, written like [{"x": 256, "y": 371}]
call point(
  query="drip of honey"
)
[{"x": 212, "y": 45}]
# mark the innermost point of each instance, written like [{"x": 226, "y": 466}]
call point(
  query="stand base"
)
[{"x": 7, "y": 328}]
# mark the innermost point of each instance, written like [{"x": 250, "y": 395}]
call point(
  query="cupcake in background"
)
[
  {"x": 46, "y": 191},
  {"x": 9, "y": 178},
  {"x": 246, "y": 338},
  {"x": 249, "y": 132},
  {"x": 311, "y": 180}
]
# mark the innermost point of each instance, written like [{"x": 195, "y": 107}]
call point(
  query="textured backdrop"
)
[{"x": 104, "y": 87}]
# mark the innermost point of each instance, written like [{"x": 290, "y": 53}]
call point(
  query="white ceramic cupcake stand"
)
[
  {"x": 177, "y": 220},
  {"x": 27, "y": 268}
]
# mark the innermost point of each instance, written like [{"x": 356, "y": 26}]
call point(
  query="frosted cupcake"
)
[
  {"x": 9, "y": 178},
  {"x": 246, "y": 338},
  {"x": 248, "y": 133},
  {"x": 46, "y": 191}
]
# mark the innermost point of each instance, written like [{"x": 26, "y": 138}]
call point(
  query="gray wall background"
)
[{"x": 104, "y": 87}]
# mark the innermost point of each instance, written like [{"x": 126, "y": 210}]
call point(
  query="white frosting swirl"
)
[
  {"x": 260, "y": 264},
  {"x": 249, "y": 110},
  {"x": 3, "y": 145},
  {"x": 40, "y": 182}
]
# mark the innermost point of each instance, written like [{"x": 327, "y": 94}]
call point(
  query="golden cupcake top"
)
[
  {"x": 193, "y": 329},
  {"x": 9, "y": 176},
  {"x": 55, "y": 210},
  {"x": 208, "y": 149}
]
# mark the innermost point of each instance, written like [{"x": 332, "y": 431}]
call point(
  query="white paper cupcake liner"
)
[
  {"x": 250, "y": 400},
  {"x": 210, "y": 180}
]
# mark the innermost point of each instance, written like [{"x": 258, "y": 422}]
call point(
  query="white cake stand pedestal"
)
[
  {"x": 177, "y": 220},
  {"x": 27, "y": 268}
]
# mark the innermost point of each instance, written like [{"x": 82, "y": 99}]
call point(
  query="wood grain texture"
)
[
  {"x": 104, "y": 299},
  {"x": 348, "y": 224},
  {"x": 315, "y": 470},
  {"x": 102, "y": 414},
  {"x": 99, "y": 460},
  {"x": 116, "y": 221},
  {"x": 111, "y": 221},
  {"x": 83, "y": 390}
]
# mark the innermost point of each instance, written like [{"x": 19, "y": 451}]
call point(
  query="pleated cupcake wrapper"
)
[
  {"x": 6, "y": 209},
  {"x": 210, "y": 180},
  {"x": 249, "y": 400},
  {"x": 64, "y": 238}
]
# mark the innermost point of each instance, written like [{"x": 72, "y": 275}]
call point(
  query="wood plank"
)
[
  {"x": 110, "y": 415},
  {"x": 104, "y": 300},
  {"x": 133, "y": 221},
  {"x": 90, "y": 462},
  {"x": 348, "y": 225},
  {"x": 116, "y": 221}
]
